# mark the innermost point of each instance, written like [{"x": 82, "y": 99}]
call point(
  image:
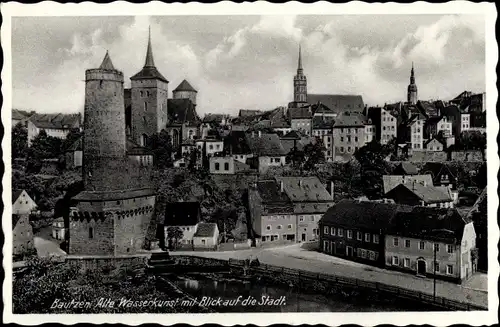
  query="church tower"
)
[
  {"x": 300, "y": 83},
  {"x": 412, "y": 88},
  {"x": 104, "y": 124},
  {"x": 149, "y": 100}
]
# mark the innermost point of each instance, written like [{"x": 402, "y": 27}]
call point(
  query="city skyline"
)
[{"x": 250, "y": 62}]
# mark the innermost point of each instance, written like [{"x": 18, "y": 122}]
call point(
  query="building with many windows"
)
[
  {"x": 348, "y": 135},
  {"x": 355, "y": 230},
  {"x": 415, "y": 238}
]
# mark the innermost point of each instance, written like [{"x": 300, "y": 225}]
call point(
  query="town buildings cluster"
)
[{"x": 416, "y": 219}]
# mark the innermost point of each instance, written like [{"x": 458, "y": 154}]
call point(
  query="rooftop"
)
[
  {"x": 206, "y": 230},
  {"x": 339, "y": 103},
  {"x": 185, "y": 86},
  {"x": 304, "y": 189},
  {"x": 265, "y": 145}
]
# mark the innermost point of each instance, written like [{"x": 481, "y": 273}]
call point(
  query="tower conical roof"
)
[
  {"x": 149, "y": 53},
  {"x": 149, "y": 70},
  {"x": 185, "y": 86},
  {"x": 106, "y": 63}
]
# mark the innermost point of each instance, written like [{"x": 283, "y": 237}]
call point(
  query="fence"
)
[{"x": 296, "y": 274}]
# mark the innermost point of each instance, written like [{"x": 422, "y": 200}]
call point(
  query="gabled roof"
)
[
  {"x": 56, "y": 121},
  {"x": 16, "y": 194},
  {"x": 182, "y": 214},
  {"x": 406, "y": 168},
  {"x": 300, "y": 113},
  {"x": 446, "y": 225},
  {"x": 21, "y": 114},
  {"x": 437, "y": 168},
  {"x": 337, "y": 102},
  {"x": 273, "y": 200},
  {"x": 363, "y": 214},
  {"x": 265, "y": 145},
  {"x": 249, "y": 113},
  {"x": 434, "y": 138},
  {"x": 319, "y": 122},
  {"x": 184, "y": 86},
  {"x": 292, "y": 135},
  {"x": 428, "y": 194},
  {"x": 304, "y": 189},
  {"x": 391, "y": 181},
  {"x": 206, "y": 230},
  {"x": 349, "y": 120}
]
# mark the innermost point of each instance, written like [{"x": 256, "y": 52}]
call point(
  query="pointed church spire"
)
[
  {"x": 149, "y": 53},
  {"x": 299, "y": 68},
  {"x": 106, "y": 63}
]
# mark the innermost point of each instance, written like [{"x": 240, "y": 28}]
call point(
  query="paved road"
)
[
  {"x": 46, "y": 248},
  {"x": 296, "y": 258}
]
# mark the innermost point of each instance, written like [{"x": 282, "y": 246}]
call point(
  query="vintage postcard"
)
[{"x": 250, "y": 163}]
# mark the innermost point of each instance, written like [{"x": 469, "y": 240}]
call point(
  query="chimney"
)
[{"x": 281, "y": 187}]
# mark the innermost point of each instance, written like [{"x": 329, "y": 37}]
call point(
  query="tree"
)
[
  {"x": 19, "y": 141},
  {"x": 42, "y": 147},
  {"x": 371, "y": 158},
  {"x": 174, "y": 234},
  {"x": 161, "y": 145},
  {"x": 73, "y": 136},
  {"x": 313, "y": 154},
  {"x": 296, "y": 157}
]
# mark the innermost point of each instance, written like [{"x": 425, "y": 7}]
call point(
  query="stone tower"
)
[
  {"x": 300, "y": 83},
  {"x": 112, "y": 213},
  {"x": 149, "y": 96},
  {"x": 185, "y": 91},
  {"x": 104, "y": 125},
  {"x": 412, "y": 88}
]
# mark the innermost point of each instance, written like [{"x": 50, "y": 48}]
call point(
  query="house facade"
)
[
  {"x": 348, "y": 135},
  {"x": 22, "y": 203},
  {"x": 22, "y": 234},
  {"x": 184, "y": 216},
  {"x": 206, "y": 236},
  {"x": 58, "y": 229},
  {"x": 355, "y": 230},
  {"x": 418, "y": 194},
  {"x": 55, "y": 125},
  {"x": 431, "y": 242},
  {"x": 388, "y": 125}
]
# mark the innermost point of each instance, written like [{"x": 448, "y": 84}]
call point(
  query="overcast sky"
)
[{"x": 249, "y": 61}]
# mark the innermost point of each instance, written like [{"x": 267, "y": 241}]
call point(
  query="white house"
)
[
  {"x": 206, "y": 236},
  {"x": 22, "y": 203}
]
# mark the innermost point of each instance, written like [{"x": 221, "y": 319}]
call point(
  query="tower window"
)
[
  {"x": 91, "y": 232},
  {"x": 145, "y": 106},
  {"x": 144, "y": 119},
  {"x": 142, "y": 94},
  {"x": 100, "y": 83},
  {"x": 147, "y": 93}
]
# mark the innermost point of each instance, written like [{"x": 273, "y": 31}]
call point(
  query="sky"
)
[{"x": 248, "y": 62}]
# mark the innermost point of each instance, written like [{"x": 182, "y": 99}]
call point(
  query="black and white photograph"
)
[{"x": 250, "y": 163}]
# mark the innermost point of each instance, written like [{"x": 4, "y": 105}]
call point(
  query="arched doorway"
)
[{"x": 421, "y": 266}]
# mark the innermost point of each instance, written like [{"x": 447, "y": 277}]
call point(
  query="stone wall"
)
[
  {"x": 94, "y": 262},
  {"x": 102, "y": 240},
  {"x": 130, "y": 230},
  {"x": 104, "y": 125},
  {"x": 428, "y": 156},
  {"x": 467, "y": 156},
  {"x": 149, "y": 107}
]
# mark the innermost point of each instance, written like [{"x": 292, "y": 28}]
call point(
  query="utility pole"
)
[{"x": 434, "y": 272}]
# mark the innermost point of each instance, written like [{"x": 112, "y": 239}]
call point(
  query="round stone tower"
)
[{"x": 104, "y": 141}]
